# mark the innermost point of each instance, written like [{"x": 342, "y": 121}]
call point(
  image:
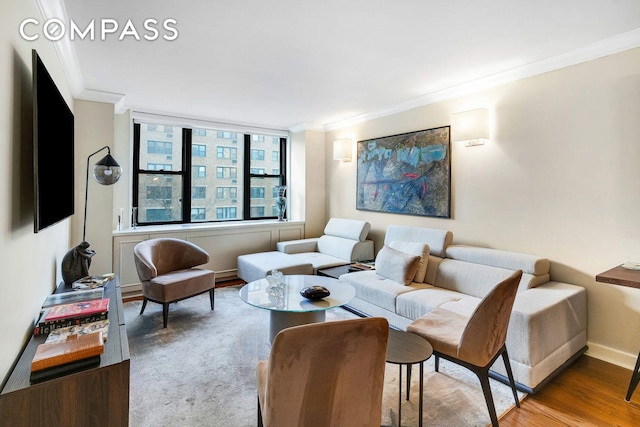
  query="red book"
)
[{"x": 79, "y": 309}]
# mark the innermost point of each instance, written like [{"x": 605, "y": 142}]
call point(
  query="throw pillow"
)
[
  {"x": 418, "y": 249},
  {"x": 396, "y": 265}
]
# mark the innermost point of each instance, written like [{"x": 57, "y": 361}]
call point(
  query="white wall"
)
[
  {"x": 560, "y": 178},
  {"x": 30, "y": 263},
  {"x": 94, "y": 130}
]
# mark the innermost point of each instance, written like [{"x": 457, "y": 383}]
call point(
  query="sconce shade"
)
[
  {"x": 107, "y": 171},
  {"x": 471, "y": 127},
  {"x": 342, "y": 149}
]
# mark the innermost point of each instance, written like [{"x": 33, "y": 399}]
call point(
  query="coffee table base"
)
[{"x": 286, "y": 319}]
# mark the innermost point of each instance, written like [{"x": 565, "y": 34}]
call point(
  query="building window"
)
[
  {"x": 171, "y": 184},
  {"x": 199, "y": 171},
  {"x": 199, "y": 193},
  {"x": 227, "y": 193},
  {"x": 199, "y": 150},
  {"x": 158, "y": 167},
  {"x": 257, "y": 154},
  {"x": 226, "y": 213},
  {"x": 257, "y": 192},
  {"x": 227, "y": 153},
  {"x": 159, "y": 147},
  {"x": 198, "y": 214}
]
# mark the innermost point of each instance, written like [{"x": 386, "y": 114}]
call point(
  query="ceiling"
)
[{"x": 292, "y": 64}]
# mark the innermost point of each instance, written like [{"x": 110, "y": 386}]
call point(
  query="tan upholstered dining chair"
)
[
  {"x": 166, "y": 268},
  {"x": 324, "y": 375},
  {"x": 475, "y": 342}
]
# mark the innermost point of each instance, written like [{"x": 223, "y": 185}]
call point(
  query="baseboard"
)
[{"x": 611, "y": 355}]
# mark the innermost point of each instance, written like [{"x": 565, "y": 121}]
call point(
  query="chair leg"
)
[
  {"x": 165, "y": 314},
  {"x": 635, "y": 377},
  {"x": 507, "y": 365},
  {"x": 211, "y": 297},
  {"x": 259, "y": 414},
  {"x": 437, "y": 363},
  {"x": 144, "y": 305},
  {"x": 483, "y": 376}
]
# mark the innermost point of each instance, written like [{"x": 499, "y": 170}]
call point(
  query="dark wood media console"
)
[{"x": 97, "y": 396}]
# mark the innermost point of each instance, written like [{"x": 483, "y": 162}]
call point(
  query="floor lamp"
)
[{"x": 76, "y": 262}]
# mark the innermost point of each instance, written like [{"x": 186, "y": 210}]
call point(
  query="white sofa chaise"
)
[
  {"x": 548, "y": 326},
  {"x": 344, "y": 241}
]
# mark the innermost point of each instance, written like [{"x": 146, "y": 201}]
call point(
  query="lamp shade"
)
[
  {"x": 342, "y": 149},
  {"x": 107, "y": 171},
  {"x": 472, "y": 127}
]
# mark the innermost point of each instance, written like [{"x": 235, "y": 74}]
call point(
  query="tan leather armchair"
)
[
  {"x": 166, "y": 269},
  {"x": 475, "y": 342},
  {"x": 324, "y": 374}
]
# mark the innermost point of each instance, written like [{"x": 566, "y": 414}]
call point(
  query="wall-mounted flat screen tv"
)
[{"x": 53, "y": 162}]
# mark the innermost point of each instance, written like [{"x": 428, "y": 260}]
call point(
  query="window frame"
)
[{"x": 242, "y": 171}]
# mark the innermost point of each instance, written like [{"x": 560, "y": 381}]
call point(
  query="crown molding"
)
[
  {"x": 64, "y": 49},
  {"x": 599, "y": 49},
  {"x": 302, "y": 127}
]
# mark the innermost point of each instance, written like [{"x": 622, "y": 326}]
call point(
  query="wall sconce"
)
[
  {"x": 470, "y": 127},
  {"x": 342, "y": 149}
]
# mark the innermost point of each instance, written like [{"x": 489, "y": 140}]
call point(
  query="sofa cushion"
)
[
  {"x": 469, "y": 278},
  {"x": 417, "y": 249},
  {"x": 438, "y": 240},
  {"x": 317, "y": 259},
  {"x": 396, "y": 265},
  {"x": 502, "y": 259},
  {"x": 348, "y": 228},
  {"x": 412, "y": 305},
  {"x": 379, "y": 290}
]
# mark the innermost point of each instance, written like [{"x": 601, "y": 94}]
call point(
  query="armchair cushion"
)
[{"x": 396, "y": 265}]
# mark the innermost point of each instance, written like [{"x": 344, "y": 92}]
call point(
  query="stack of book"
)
[
  {"x": 61, "y": 357},
  {"x": 77, "y": 324},
  {"x": 72, "y": 314}
]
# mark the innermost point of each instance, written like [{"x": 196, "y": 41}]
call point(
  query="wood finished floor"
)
[{"x": 590, "y": 392}]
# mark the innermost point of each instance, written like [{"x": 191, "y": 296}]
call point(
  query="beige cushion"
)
[
  {"x": 396, "y": 265},
  {"x": 417, "y": 249}
]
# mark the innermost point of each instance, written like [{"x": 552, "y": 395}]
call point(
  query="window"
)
[
  {"x": 158, "y": 167},
  {"x": 257, "y": 192},
  {"x": 223, "y": 172},
  {"x": 199, "y": 150},
  {"x": 263, "y": 156},
  {"x": 226, "y": 213},
  {"x": 227, "y": 153},
  {"x": 257, "y": 154},
  {"x": 199, "y": 193},
  {"x": 199, "y": 171},
  {"x": 227, "y": 193},
  {"x": 171, "y": 183},
  {"x": 198, "y": 214},
  {"x": 159, "y": 147}
]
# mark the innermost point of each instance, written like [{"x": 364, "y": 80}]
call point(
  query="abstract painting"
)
[{"x": 406, "y": 174}]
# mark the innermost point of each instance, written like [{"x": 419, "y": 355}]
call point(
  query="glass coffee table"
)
[{"x": 287, "y": 307}]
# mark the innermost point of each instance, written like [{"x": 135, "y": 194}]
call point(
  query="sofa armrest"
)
[
  {"x": 298, "y": 246},
  {"x": 552, "y": 314},
  {"x": 346, "y": 249}
]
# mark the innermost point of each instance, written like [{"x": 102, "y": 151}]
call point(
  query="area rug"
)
[{"x": 200, "y": 370}]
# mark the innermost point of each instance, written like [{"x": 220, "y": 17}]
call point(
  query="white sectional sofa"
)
[
  {"x": 344, "y": 241},
  {"x": 548, "y": 326}
]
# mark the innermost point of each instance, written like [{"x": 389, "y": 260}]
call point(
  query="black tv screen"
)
[{"x": 53, "y": 162}]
